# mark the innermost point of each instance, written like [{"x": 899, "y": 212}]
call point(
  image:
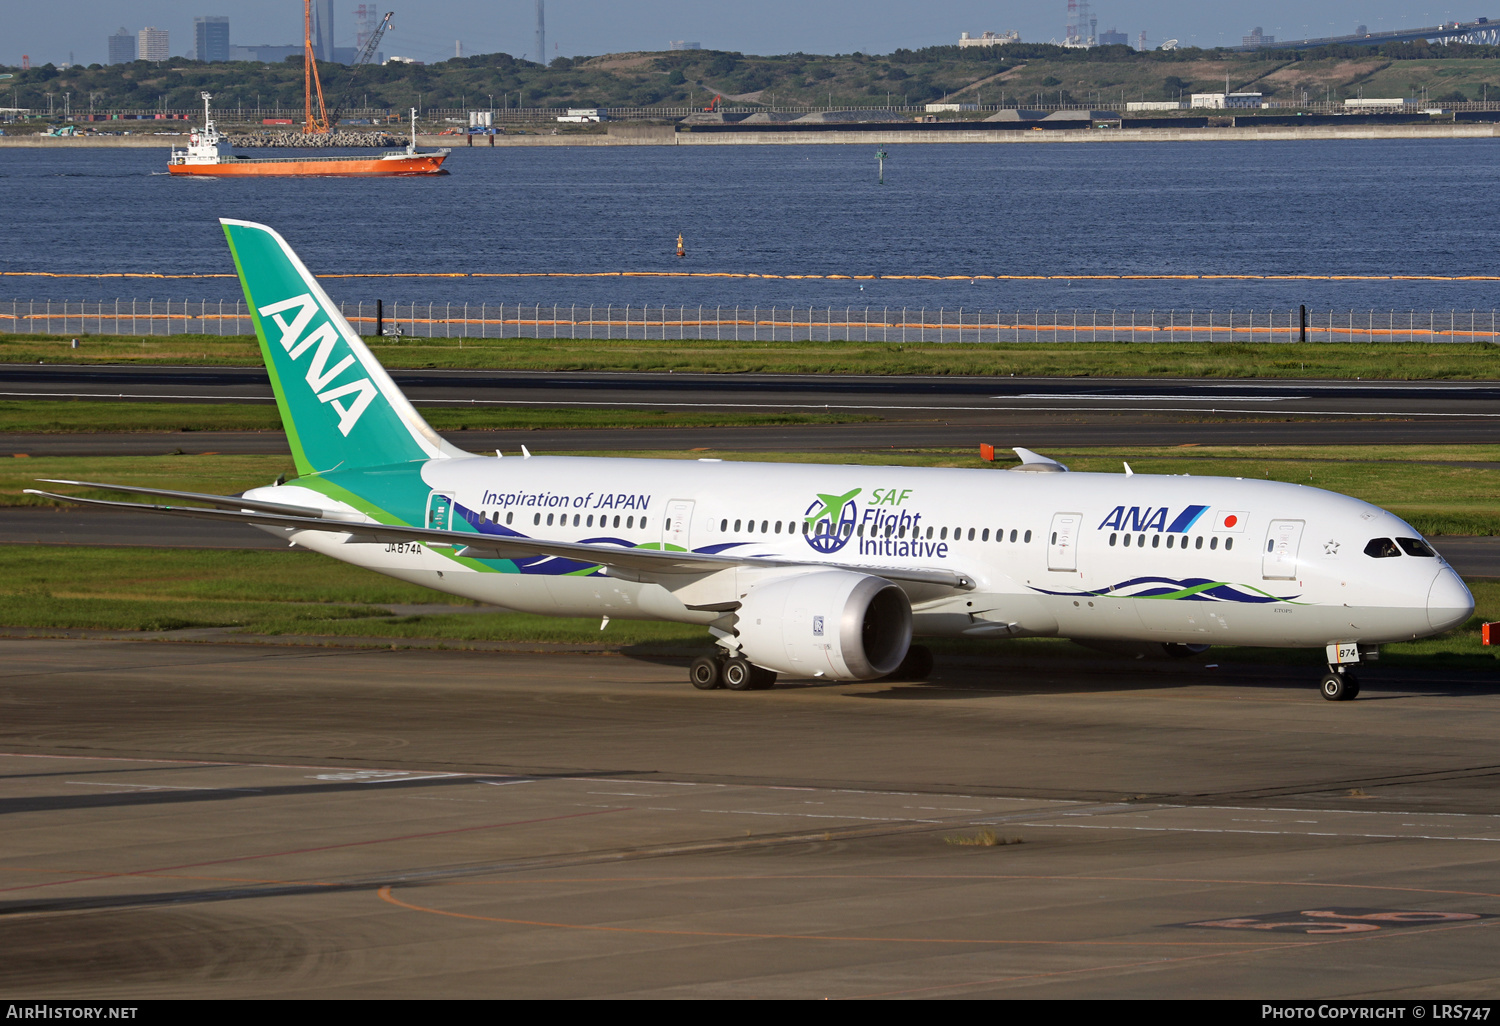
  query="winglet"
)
[{"x": 1037, "y": 463}]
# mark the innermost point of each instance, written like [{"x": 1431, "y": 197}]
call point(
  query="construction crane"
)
[
  {"x": 364, "y": 57},
  {"x": 313, "y": 125}
]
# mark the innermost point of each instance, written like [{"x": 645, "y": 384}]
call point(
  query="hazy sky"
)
[{"x": 50, "y": 31}]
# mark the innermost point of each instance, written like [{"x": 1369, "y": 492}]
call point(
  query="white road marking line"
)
[
  {"x": 162, "y": 787},
  {"x": 817, "y": 815},
  {"x": 1242, "y": 830},
  {"x": 618, "y": 404},
  {"x": 1163, "y": 398}
]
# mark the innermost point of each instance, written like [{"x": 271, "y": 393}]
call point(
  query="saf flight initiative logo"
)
[{"x": 830, "y": 521}]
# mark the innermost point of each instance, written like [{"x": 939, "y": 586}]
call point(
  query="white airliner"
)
[{"x": 811, "y": 571}]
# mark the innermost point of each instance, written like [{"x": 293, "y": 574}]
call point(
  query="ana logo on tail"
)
[{"x": 319, "y": 374}]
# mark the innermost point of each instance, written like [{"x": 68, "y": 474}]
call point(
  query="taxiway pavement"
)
[
  {"x": 907, "y": 411},
  {"x": 231, "y": 821}
]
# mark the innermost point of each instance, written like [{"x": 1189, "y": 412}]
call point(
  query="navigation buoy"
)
[{"x": 680, "y": 251}]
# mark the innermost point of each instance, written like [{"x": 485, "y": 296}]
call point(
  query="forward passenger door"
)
[{"x": 1279, "y": 560}]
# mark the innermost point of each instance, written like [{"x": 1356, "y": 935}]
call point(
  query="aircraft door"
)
[
  {"x": 440, "y": 511},
  {"x": 1279, "y": 560},
  {"x": 1062, "y": 543},
  {"x": 677, "y": 526}
]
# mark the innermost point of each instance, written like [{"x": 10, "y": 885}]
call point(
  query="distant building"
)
[
  {"x": 1111, "y": 37},
  {"x": 1257, "y": 38},
  {"x": 939, "y": 108},
  {"x": 122, "y": 47},
  {"x": 322, "y": 11},
  {"x": 264, "y": 54},
  {"x": 1394, "y": 103},
  {"x": 683, "y": 44},
  {"x": 1220, "y": 101},
  {"x": 211, "y": 38},
  {"x": 153, "y": 44},
  {"x": 1153, "y": 105},
  {"x": 988, "y": 39}
]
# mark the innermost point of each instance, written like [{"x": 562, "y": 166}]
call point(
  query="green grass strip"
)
[
  {"x": 46, "y": 416},
  {"x": 1403, "y": 361}
]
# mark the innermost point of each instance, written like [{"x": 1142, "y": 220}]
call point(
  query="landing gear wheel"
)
[
  {"x": 762, "y": 679},
  {"x": 739, "y": 674},
  {"x": 1338, "y": 687},
  {"x": 704, "y": 673}
]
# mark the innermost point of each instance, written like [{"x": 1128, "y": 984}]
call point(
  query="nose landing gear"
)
[{"x": 1339, "y": 684}]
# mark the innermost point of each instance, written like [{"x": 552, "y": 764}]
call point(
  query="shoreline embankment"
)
[{"x": 667, "y": 135}]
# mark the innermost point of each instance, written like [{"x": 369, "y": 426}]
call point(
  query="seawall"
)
[{"x": 666, "y": 135}]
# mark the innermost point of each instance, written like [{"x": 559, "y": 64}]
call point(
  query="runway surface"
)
[
  {"x": 239, "y": 821},
  {"x": 911, "y": 411}
]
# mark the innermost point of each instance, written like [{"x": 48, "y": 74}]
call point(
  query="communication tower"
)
[
  {"x": 1080, "y": 30},
  {"x": 541, "y": 31},
  {"x": 366, "y": 17}
]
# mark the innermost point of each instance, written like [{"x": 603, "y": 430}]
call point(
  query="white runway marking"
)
[
  {"x": 1160, "y": 398},
  {"x": 826, "y": 407}
]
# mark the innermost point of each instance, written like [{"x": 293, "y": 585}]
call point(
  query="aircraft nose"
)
[{"x": 1448, "y": 601}]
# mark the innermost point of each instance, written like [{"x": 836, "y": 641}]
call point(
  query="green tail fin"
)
[{"x": 340, "y": 408}]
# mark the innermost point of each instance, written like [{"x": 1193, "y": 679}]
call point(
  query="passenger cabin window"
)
[
  {"x": 1415, "y": 547},
  {"x": 1382, "y": 548},
  {"x": 1026, "y": 539}
]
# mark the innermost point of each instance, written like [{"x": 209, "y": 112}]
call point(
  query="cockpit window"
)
[
  {"x": 1416, "y": 547},
  {"x": 1382, "y": 548}
]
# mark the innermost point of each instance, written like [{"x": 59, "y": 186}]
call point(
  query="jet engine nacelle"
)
[{"x": 833, "y": 623}]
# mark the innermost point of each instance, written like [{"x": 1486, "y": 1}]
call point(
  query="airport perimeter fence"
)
[{"x": 626, "y": 321}]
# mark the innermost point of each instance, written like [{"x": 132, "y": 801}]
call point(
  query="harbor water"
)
[{"x": 1060, "y": 213}]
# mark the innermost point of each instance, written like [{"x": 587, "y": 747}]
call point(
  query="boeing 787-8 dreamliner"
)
[{"x": 810, "y": 571}]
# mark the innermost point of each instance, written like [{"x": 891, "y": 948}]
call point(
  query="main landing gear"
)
[
  {"x": 733, "y": 672},
  {"x": 1339, "y": 684}
]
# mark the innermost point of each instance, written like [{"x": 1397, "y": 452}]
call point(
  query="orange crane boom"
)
[{"x": 314, "y": 125}]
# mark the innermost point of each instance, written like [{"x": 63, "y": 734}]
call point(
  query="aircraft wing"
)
[{"x": 478, "y": 546}]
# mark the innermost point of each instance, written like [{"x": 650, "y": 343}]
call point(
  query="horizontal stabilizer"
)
[{"x": 222, "y": 501}]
